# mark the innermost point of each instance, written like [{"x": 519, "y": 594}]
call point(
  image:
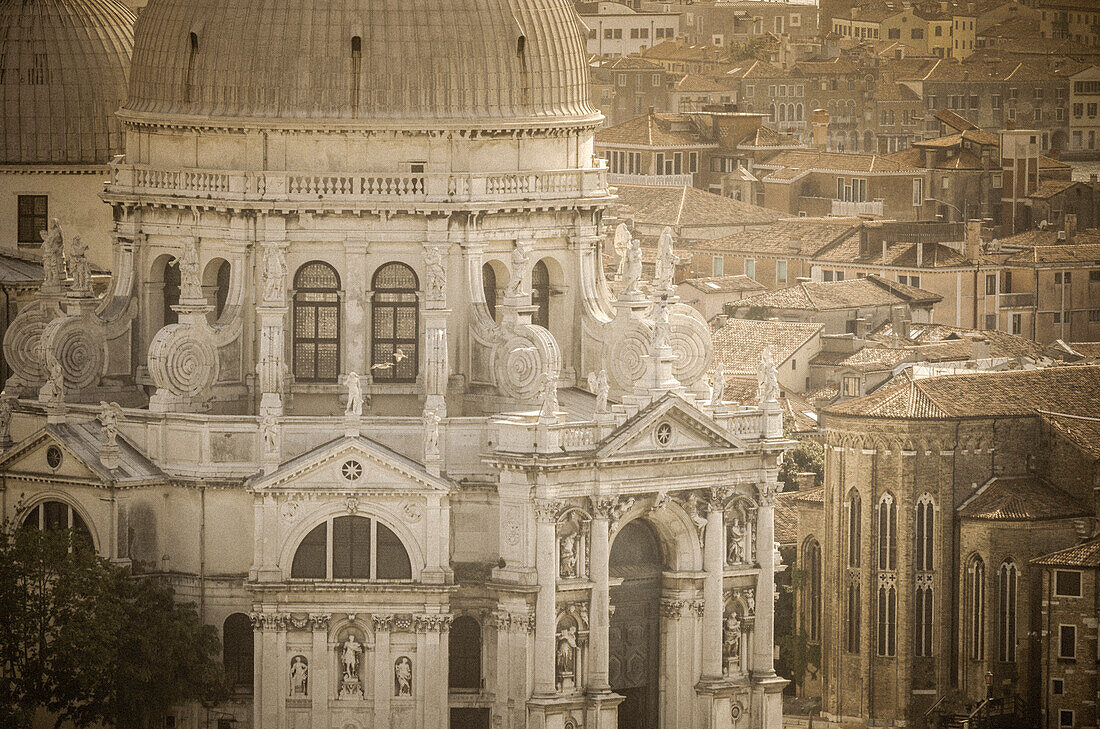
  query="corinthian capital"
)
[
  {"x": 547, "y": 509},
  {"x": 766, "y": 492}
]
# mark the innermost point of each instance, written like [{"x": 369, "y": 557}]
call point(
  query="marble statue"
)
[
  {"x": 7, "y": 407},
  {"x": 632, "y": 271},
  {"x": 403, "y": 676},
  {"x": 662, "y": 329},
  {"x": 735, "y": 541},
  {"x": 349, "y": 657},
  {"x": 666, "y": 262},
  {"x": 188, "y": 262},
  {"x": 355, "y": 395},
  {"x": 275, "y": 273},
  {"x": 431, "y": 434},
  {"x": 731, "y": 639},
  {"x": 548, "y": 394},
  {"x": 79, "y": 270},
  {"x": 299, "y": 676},
  {"x": 718, "y": 385},
  {"x": 567, "y": 651},
  {"x": 54, "y": 389},
  {"x": 108, "y": 416},
  {"x": 436, "y": 274},
  {"x": 520, "y": 259},
  {"x": 568, "y": 555},
  {"x": 621, "y": 243},
  {"x": 598, "y": 385},
  {"x": 767, "y": 382},
  {"x": 269, "y": 428},
  {"x": 52, "y": 247}
]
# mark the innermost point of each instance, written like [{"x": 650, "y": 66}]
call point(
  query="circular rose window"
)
[
  {"x": 53, "y": 456},
  {"x": 351, "y": 470},
  {"x": 664, "y": 434}
]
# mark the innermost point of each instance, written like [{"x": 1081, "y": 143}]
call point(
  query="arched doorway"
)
[{"x": 634, "y": 666}]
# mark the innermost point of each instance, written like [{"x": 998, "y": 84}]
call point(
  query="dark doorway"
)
[
  {"x": 469, "y": 718},
  {"x": 635, "y": 629}
]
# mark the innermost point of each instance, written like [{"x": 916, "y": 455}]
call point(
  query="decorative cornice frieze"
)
[
  {"x": 508, "y": 621},
  {"x": 546, "y": 510}
]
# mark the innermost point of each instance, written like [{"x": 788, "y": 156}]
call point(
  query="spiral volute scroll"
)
[
  {"x": 21, "y": 342},
  {"x": 183, "y": 360},
  {"x": 626, "y": 355},
  {"x": 521, "y": 357},
  {"x": 691, "y": 342},
  {"x": 79, "y": 345}
]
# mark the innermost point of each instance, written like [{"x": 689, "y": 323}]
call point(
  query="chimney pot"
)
[{"x": 1071, "y": 227}]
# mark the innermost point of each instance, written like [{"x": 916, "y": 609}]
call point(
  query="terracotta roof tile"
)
[
  {"x": 831, "y": 295},
  {"x": 724, "y": 284},
  {"x": 688, "y": 207},
  {"x": 786, "y": 518},
  {"x": 1082, "y": 431},
  {"x": 1025, "y": 498},
  {"x": 741, "y": 342},
  {"x": 815, "y": 495},
  {"x": 1081, "y": 555},
  {"x": 654, "y": 130},
  {"x": 803, "y": 235}
]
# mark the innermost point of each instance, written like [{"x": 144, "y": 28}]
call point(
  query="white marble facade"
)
[{"x": 374, "y": 392}]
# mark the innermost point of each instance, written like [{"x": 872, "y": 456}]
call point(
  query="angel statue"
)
[{"x": 598, "y": 385}]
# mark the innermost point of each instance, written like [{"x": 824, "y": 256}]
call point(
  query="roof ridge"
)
[{"x": 683, "y": 199}]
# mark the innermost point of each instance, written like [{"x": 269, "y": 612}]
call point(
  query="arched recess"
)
[
  {"x": 163, "y": 292},
  {"x": 352, "y": 547},
  {"x": 811, "y": 590},
  {"x": 869, "y": 142},
  {"x": 541, "y": 291},
  {"x": 494, "y": 279},
  {"x": 216, "y": 279},
  {"x": 395, "y": 323},
  {"x": 1007, "y": 583},
  {"x": 975, "y": 607},
  {"x": 54, "y": 511},
  {"x": 464, "y": 655},
  {"x": 237, "y": 652},
  {"x": 316, "y": 332}
]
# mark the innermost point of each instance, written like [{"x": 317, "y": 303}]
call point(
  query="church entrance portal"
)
[{"x": 635, "y": 626}]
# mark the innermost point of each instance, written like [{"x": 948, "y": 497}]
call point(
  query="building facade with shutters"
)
[{"x": 359, "y": 389}]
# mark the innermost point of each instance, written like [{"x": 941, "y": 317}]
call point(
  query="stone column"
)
[
  {"x": 599, "y": 613},
  {"x": 763, "y": 660},
  {"x": 714, "y": 561},
  {"x": 546, "y": 606},
  {"x": 383, "y": 669},
  {"x": 320, "y": 669}
]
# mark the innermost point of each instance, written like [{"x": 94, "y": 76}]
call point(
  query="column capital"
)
[
  {"x": 611, "y": 508},
  {"x": 546, "y": 510},
  {"x": 766, "y": 492}
]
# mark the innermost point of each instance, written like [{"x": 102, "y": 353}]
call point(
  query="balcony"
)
[
  {"x": 851, "y": 209},
  {"x": 360, "y": 188},
  {"x": 652, "y": 180},
  {"x": 1024, "y": 300}
]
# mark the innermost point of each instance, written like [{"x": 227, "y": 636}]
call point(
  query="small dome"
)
[
  {"x": 383, "y": 62},
  {"x": 63, "y": 68}
]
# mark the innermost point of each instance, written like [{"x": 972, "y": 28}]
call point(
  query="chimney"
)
[
  {"x": 1010, "y": 124},
  {"x": 863, "y": 327},
  {"x": 897, "y": 321},
  {"x": 820, "y": 123},
  {"x": 979, "y": 348},
  {"x": 920, "y": 254},
  {"x": 973, "y": 239},
  {"x": 1071, "y": 227}
]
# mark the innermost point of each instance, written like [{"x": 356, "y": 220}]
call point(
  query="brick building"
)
[
  {"x": 938, "y": 495},
  {"x": 729, "y": 23}
]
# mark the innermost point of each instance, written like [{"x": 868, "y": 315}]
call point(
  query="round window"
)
[
  {"x": 664, "y": 434},
  {"x": 351, "y": 470},
  {"x": 53, "y": 456}
]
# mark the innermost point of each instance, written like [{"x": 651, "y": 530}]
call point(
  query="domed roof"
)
[
  {"x": 63, "y": 67},
  {"x": 384, "y": 62}
]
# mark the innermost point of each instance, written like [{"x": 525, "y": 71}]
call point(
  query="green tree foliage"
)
[
  {"x": 87, "y": 642},
  {"x": 806, "y": 457},
  {"x": 758, "y": 313}
]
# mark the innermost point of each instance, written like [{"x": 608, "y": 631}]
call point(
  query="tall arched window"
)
[
  {"x": 923, "y": 620},
  {"x": 811, "y": 561},
  {"x": 1006, "y": 612},
  {"x": 925, "y": 531},
  {"x": 351, "y": 548},
  {"x": 853, "y": 615},
  {"x": 237, "y": 655},
  {"x": 489, "y": 285},
  {"x": 171, "y": 291},
  {"x": 855, "y": 528},
  {"x": 58, "y": 515},
  {"x": 887, "y": 620},
  {"x": 395, "y": 324},
  {"x": 465, "y": 654},
  {"x": 316, "y": 323},
  {"x": 977, "y": 608},
  {"x": 887, "y": 533},
  {"x": 540, "y": 294}
]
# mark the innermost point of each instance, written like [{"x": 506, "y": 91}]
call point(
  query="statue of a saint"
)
[
  {"x": 355, "y": 395},
  {"x": 732, "y": 638},
  {"x": 108, "y": 416},
  {"x": 568, "y": 549},
  {"x": 567, "y": 652},
  {"x": 188, "y": 262},
  {"x": 403, "y": 676},
  {"x": 767, "y": 382},
  {"x": 349, "y": 656},
  {"x": 79, "y": 271},
  {"x": 520, "y": 259},
  {"x": 598, "y": 385},
  {"x": 7, "y": 407},
  {"x": 735, "y": 542},
  {"x": 54, "y": 389},
  {"x": 299, "y": 676},
  {"x": 662, "y": 330},
  {"x": 269, "y": 428},
  {"x": 666, "y": 262},
  {"x": 621, "y": 243},
  {"x": 52, "y": 246},
  {"x": 548, "y": 394},
  {"x": 437, "y": 273},
  {"x": 632, "y": 272},
  {"x": 431, "y": 434},
  {"x": 718, "y": 385},
  {"x": 275, "y": 275}
]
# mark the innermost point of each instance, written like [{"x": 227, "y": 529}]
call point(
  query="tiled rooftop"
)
[
  {"x": 805, "y": 236},
  {"x": 1081, "y": 555},
  {"x": 1083, "y": 431},
  {"x": 1025, "y": 498},
  {"x": 851, "y": 293},
  {"x": 724, "y": 284},
  {"x": 741, "y": 342},
  {"x": 654, "y": 130},
  {"x": 688, "y": 207}
]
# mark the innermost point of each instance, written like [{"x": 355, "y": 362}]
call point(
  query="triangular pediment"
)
[
  {"x": 351, "y": 463},
  {"x": 72, "y": 452},
  {"x": 668, "y": 425}
]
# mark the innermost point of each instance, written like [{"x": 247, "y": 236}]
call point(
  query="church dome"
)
[
  {"x": 361, "y": 62},
  {"x": 63, "y": 66}
]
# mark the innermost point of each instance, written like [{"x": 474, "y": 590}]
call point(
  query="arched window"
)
[
  {"x": 316, "y": 323},
  {"x": 216, "y": 286},
  {"x": 351, "y": 548},
  {"x": 489, "y": 285},
  {"x": 58, "y": 515},
  {"x": 465, "y": 654},
  {"x": 853, "y": 615},
  {"x": 855, "y": 528},
  {"x": 237, "y": 655},
  {"x": 811, "y": 561},
  {"x": 1006, "y": 612},
  {"x": 977, "y": 608},
  {"x": 356, "y": 71},
  {"x": 188, "y": 82},
  {"x": 887, "y": 620},
  {"x": 925, "y": 531},
  {"x": 540, "y": 294},
  {"x": 395, "y": 324},
  {"x": 171, "y": 291},
  {"x": 887, "y": 533},
  {"x": 923, "y": 620}
]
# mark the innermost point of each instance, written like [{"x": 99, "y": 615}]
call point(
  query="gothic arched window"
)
[
  {"x": 465, "y": 654},
  {"x": 316, "y": 323},
  {"x": 977, "y": 608},
  {"x": 923, "y": 621},
  {"x": 1006, "y": 612},
  {"x": 237, "y": 655},
  {"x": 925, "y": 531},
  {"x": 540, "y": 294},
  {"x": 395, "y": 324},
  {"x": 853, "y": 615},
  {"x": 351, "y": 548},
  {"x": 887, "y": 620},
  {"x": 50, "y": 515},
  {"x": 855, "y": 528},
  {"x": 811, "y": 560},
  {"x": 887, "y": 533}
]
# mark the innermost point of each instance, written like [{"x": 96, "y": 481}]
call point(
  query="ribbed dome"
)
[
  {"x": 63, "y": 67},
  {"x": 420, "y": 60}
]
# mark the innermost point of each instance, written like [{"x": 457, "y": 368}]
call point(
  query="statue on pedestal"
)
[
  {"x": 299, "y": 676},
  {"x": 275, "y": 273},
  {"x": 598, "y": 385},
  {"x": 52, "y": 263},
  {"x": 402, "y": 676},
  {"x": 566, "y": 654},
  {"x": 767, "y": 382},
  {"x": 79, "y": 270},
  {"x": 632, "y": 271},
  {"x": 355, "y": 395},
  {"x": 666, "y": 262}
]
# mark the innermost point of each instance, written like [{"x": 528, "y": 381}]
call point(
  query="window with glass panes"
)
[
  {"x": 33, "y": 211},
  {"x": 316, "y": 323},
  {"x": 395, "y": 324}
]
